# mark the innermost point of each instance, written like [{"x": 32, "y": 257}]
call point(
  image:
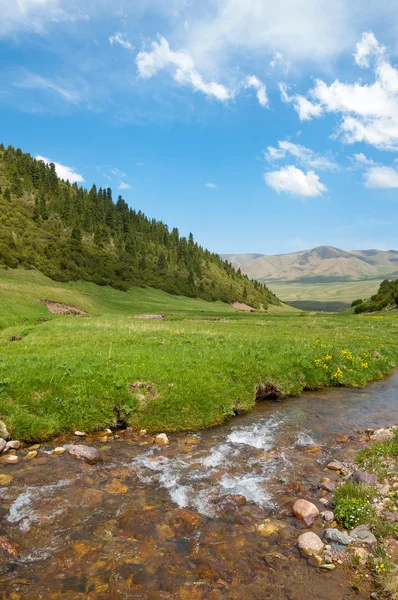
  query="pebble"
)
[
  {"x": 339, "y": 537},
  {"x": 328, "y": 486},
  {"x": 59, "y": 450},
  {"x": 10, "y": 459},
  {"x": 35, "y": 447},
  {"x": 5, "y": 479},
  {"x": 80, "y": 433},
  {"x": 108, "y": 431},
  {"x": 327, "y": 567},
  {"x": 3, "y": 444},
  {"x": 335, "y": 465},
  {"x": 306, "y": 511},
  {"x": 162, "y": 439},
  {"x": 362, "y": 534},
  {"x": 364, "y": 477},
  {"x": 14, "y": 445},
  {"x": 310, "y": 544},
  {"x": 30, "y": 455},
  {"x": 324, "y": 501},
  {"x": 143, "y": 433},
  {"x": 116, "y": 437},
  {"x": 328, "y": 515},
  {"x": 86, "y": 453}
]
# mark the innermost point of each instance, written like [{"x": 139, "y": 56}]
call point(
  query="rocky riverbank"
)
[{"x": 359, "y": 527}]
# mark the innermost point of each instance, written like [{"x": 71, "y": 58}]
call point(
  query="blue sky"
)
[{"x": 259, "y": 126}]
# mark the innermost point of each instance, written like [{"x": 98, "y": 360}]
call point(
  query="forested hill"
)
[{"x": 69, "y": 233}]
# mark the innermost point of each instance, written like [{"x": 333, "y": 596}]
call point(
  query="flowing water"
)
[{"x": 171, "y": 522}]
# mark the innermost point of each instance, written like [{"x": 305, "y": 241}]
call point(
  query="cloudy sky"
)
[{"x": 260, "y": 126}]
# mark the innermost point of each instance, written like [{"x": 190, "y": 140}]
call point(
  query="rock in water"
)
[
  {"x": 306, "y": 511},
  {"x": 362, "y": 534},
  {"x": 3, "y": 444},
  {"x": 3, "y": 431},
  {"x": 80, "y": 433},
  {"x": 364, "y": 477},
  {"x": 338, "y": 537},
  {"x": 86, "y": 453},
  {"x": 328, "y": 515},
  {"x": 310, "y": 544},
  {"x": 10, "y": 459},
  {"x": 335, "y": 465},
  {"x": 162, "y": 439},
  {"x": 59, "y": 450},
  {"x": 30, "y": 455},
  {"x": 328, "y": 486}
]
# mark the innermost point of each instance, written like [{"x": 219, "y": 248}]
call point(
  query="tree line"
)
[{"x": 70, "y": 233}]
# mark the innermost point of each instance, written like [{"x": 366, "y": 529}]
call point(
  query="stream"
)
[{"x": 207, "y": 517}]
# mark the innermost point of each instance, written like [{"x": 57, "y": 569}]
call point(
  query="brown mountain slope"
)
[{"x": 321, "y": 264}]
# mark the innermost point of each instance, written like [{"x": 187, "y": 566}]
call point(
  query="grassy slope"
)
[
  {"x": 326, "y": 294},
  {"x": 71, "y": 373}
]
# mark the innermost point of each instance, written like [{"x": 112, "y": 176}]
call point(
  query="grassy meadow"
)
[
  {"x": 329, "y": 297},
  {"x": 194, "y": 369}
]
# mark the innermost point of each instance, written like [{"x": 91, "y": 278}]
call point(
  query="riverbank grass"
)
[{"x": 200, "y": 365}]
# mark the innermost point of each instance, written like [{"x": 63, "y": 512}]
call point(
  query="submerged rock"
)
[
  {"x": 337, "y": 536},
  {"x": 328, "y": 486},
  {"x": 335, "y": 465},
  {"x": 86, "y": 453},
  {"x": 364, "y": 477},
  {"x": 59, "y": 450},
  {"x": 10, "y": 459},
  {"x": 30, "y": 455},
  {"x": 269, "y": 527},
  {"x": 306, "y": 511},
  {"x": 362, "y": 534},
  {"x": 310, "y": 544}
]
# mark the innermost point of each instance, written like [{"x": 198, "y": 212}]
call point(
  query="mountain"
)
[
  {"x": 69, "y": 233},
  {"x": 324, "y": 264}
]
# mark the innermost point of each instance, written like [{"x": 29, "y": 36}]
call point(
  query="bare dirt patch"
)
[
  {"x": 150, "y": 317},
  {"x": 59, "y": 308},
  {"x": 143, "y": 391},
  {"x": 268, "y": 391},
  {"x": 243, "y": 306},
  {"x": 15, "y": 338}
]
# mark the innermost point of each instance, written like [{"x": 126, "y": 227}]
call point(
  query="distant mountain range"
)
[{"x": 324, "y": 264}]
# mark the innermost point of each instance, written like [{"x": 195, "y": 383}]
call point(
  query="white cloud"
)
[
  {"x": 366, "y": 47},
  {"x": 369, "y": 112},
  {"x": 253, "y": 82},
  {"x": 124, "y": 186},
  {"x": 34, "y": 15},
  {"x": 117, "y": 172},
  {"x": 212, "y": 186},
  {"x": 381, "y": 177},
  {"x": 65, "y": 89},
  {"x": 293, "y": 181},
  {"x": 313, "y": 30},
  {"x": 362, "y": 161},
  {"x": 304, "y": 156},
  {"x": 120, "y": 38},
  {"x": 305, "y": 109},
  {"x": 161, "y": 56},
  {"x": 65, "y": 173}
]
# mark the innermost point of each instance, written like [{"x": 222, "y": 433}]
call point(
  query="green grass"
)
[
  {"x": 327, "y": 297},
  {"x": 204, "y": 360}
]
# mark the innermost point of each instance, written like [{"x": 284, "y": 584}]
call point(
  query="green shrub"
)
[{"x": 351, "y": 512}]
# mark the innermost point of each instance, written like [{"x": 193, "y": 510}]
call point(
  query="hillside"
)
[
  {"x": 323, "y": 264},
  {"x": 69, "y": 233},
  {"x": 385, "y": 298}
]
